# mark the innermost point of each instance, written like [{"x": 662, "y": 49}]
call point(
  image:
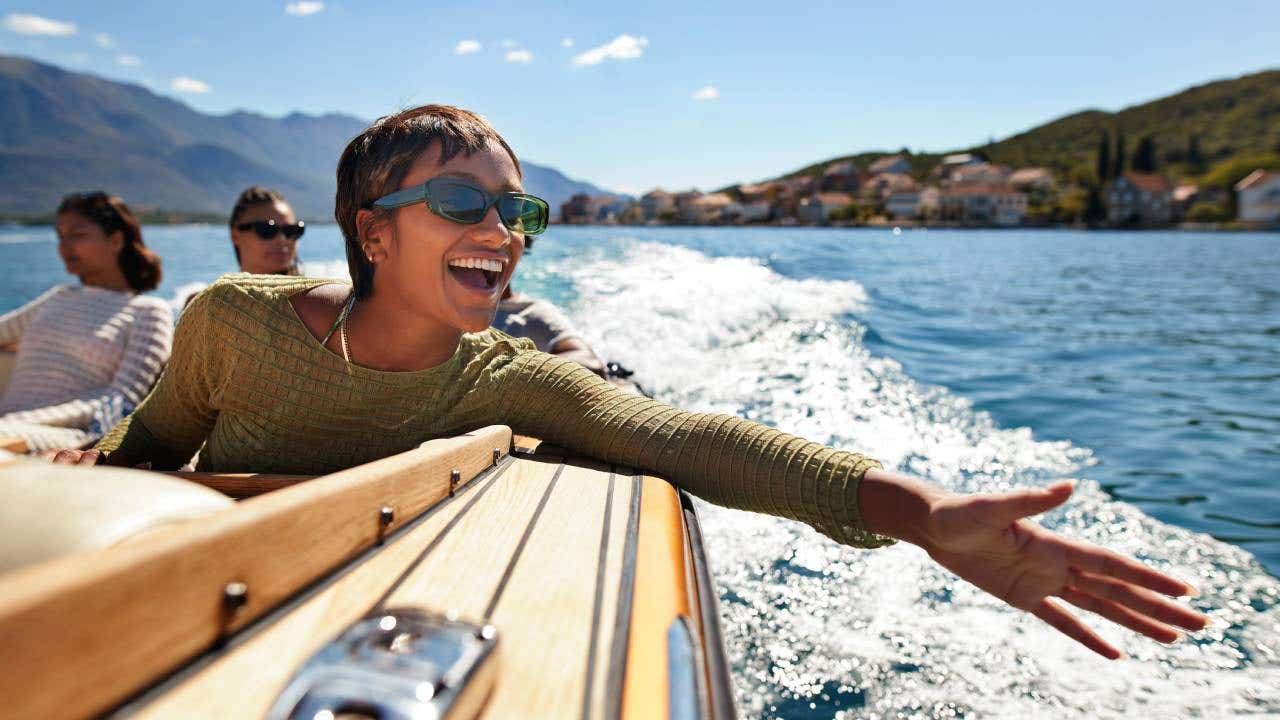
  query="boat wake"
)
[{"x": 817, "y": 630}]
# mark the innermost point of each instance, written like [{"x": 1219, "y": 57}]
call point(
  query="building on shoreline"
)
[
  {"x": 1259, "y": 197},
  {"x": 963, "y": 190}
]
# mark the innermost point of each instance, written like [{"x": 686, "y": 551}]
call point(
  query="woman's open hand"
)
[{"x": 988, "y": 541}]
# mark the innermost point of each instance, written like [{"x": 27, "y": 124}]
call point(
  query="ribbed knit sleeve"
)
[
  {"x": 721, "y": 458},
  {"x": 15, "y": 322},
  {"x": 171, "y": 423}
]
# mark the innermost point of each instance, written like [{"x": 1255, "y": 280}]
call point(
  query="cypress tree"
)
[
  {"x": 1118, "y": 167},
  {"x": 1103, "y": 170},
  {"x": 1144, "y": 160},
  {"x": 1195, "y": 157}
]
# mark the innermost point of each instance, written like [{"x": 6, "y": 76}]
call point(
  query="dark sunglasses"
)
[
  {"x": 267, "y": 229},
  {"x": 466, "y": 203}
]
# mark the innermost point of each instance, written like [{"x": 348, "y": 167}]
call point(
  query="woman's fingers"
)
[
  {"x": 88, "y": 457},
  {"x": 1093, "y": 559},
  {"x": 1140, "y": 600},
  {"x": 1068, "y": 625},
  {"x": 72, "y": 457},
  {"x": 1121, "y": 615}
]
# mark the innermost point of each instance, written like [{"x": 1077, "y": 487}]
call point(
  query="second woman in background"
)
[{"x": 265, "y": 232}]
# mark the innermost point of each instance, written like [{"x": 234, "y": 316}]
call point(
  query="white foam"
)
[{"x": 809, "y": 621}]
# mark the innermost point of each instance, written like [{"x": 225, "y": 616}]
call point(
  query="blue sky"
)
[{"x": 793, "y": 82}]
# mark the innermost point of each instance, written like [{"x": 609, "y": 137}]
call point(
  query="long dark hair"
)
[
  {"x": 376, "y": 161},
  {"x": 140, "y": 265},
  {"x": 253, "y": 197}
]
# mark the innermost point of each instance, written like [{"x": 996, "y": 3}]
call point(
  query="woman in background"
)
[
  {"x": 88, "y": 353},
  {"x": 265, "y": 233}
]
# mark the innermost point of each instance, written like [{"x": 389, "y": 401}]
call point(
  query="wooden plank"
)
[
  {"x": 242, "y": 485},
  {"x": 548, "y": 572},
  {"x": 550, "y": 597},
  {"x": 244, "y": 680},
  {"x": 661, "y": 595},
  {"x": 15, "y": 445},
  {"x": 163, "y": 598}
]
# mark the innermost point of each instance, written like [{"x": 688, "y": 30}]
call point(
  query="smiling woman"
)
[{"x": 292, "y": 375}]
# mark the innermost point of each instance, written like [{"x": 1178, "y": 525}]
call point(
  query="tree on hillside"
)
[
  {"x": 1104, "y": 158},
  {"x": 1195, "y": 157},
  {"x": 1144, "y": 160},
  {"x": 1118, "y": 166}
]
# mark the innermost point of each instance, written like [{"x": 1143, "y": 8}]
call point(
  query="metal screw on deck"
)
[
  {"x": 235, "y": 596},
  {"x": 455, "y": 477},
  {"x": 386, "y": 515}
]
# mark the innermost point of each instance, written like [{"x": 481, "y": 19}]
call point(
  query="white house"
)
[
  {"x": 1258, "y": 197},
  {"x": 903, "y": 205}
]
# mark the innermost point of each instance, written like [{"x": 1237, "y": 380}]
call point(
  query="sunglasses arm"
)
[{"x": 400, "y": 198}]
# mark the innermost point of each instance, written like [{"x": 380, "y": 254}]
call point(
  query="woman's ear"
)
[
  {"x": 373, "y": 232},
  {"x": 116, "y": 241}
]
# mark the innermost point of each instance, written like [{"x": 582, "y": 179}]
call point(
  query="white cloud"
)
[
  {"x": 519, "y": 56},
  {"x": 188, "y": 85},
  {"x": 508, "y": 43},
  {"x": 128, "y": 60},
  {"x": 36, "y": 25},
  {"x": 104, "y": 40},
  {"x": 706, "y": 93},
  {"x": 567, "y": 43},
  {"x": 466, "y": 47},
  {"x": 305, "y": 7},
  {"x": 623, "y": 47}
]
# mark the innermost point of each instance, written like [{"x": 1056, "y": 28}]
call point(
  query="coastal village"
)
[{"x": 963, "y": 190}]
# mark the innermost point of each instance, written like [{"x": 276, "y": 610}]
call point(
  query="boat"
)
[{"x": 485, "y": 575}]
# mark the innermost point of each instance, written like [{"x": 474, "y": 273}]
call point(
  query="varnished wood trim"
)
[
  {"x": 89, "y": 630},
  {"x": 15, "y": 445},
  {"x": 242, "y": 485},
  {"x": 481, "y": 483}
]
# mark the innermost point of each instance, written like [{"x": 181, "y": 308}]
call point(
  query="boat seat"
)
[{"x": 50, "y": 510}]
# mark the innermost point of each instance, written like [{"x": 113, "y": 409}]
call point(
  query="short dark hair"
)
[
  {"x": 376, "y": 161},
  {"x": 253, "y": 197},
  {"x": 140, "y": 265}
]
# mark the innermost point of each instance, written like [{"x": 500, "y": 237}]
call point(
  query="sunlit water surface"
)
[{"x": 1145, "y": 365}]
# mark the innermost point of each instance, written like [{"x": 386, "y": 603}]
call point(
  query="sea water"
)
[{"x": 1145, "y": 365}]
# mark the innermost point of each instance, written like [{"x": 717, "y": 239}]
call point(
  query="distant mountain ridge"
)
[{"x": 63, "y": 131}]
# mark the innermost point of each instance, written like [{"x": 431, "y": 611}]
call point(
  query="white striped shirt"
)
[{"x": 86, "y": 357}]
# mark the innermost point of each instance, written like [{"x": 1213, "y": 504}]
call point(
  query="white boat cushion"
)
[{"x": 49, "y": 510}]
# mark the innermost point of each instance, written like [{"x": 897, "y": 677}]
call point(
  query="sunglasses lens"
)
[
  {"x": 523, "y": 214},
  {"x": 293, "y": 232},
  {"x": 460, "y": 203},
  {"x": 265, "y": 230}
]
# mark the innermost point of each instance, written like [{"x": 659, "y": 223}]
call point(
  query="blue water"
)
[{"x": 1143, "y": 364}]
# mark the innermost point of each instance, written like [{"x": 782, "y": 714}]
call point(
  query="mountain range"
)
[{"x": 63, "y": 131}]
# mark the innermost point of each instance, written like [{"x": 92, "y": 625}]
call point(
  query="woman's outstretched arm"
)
[
  {"x": 985, "y": 539},
  {"x": 989, "y": 541}
]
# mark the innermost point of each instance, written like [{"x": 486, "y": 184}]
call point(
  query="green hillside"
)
[{"x": 1210, "y": 132}]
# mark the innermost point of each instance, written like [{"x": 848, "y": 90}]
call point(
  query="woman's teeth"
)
[{"x": 478, "y": 264}]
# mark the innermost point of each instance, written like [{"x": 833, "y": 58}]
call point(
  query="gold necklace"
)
[{"x": 342, "y": 327}]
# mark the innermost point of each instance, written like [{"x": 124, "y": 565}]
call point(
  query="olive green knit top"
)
[{"x": 251, "y": 383}]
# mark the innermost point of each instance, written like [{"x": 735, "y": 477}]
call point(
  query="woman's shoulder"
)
[{"x": 494, "y": 341}]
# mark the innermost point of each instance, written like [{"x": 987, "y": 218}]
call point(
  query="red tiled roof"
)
[
  {"x": 841, "y": 199},
  {"x": 1148, "y": 182},
  {"x": 885, "y": 163}
]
